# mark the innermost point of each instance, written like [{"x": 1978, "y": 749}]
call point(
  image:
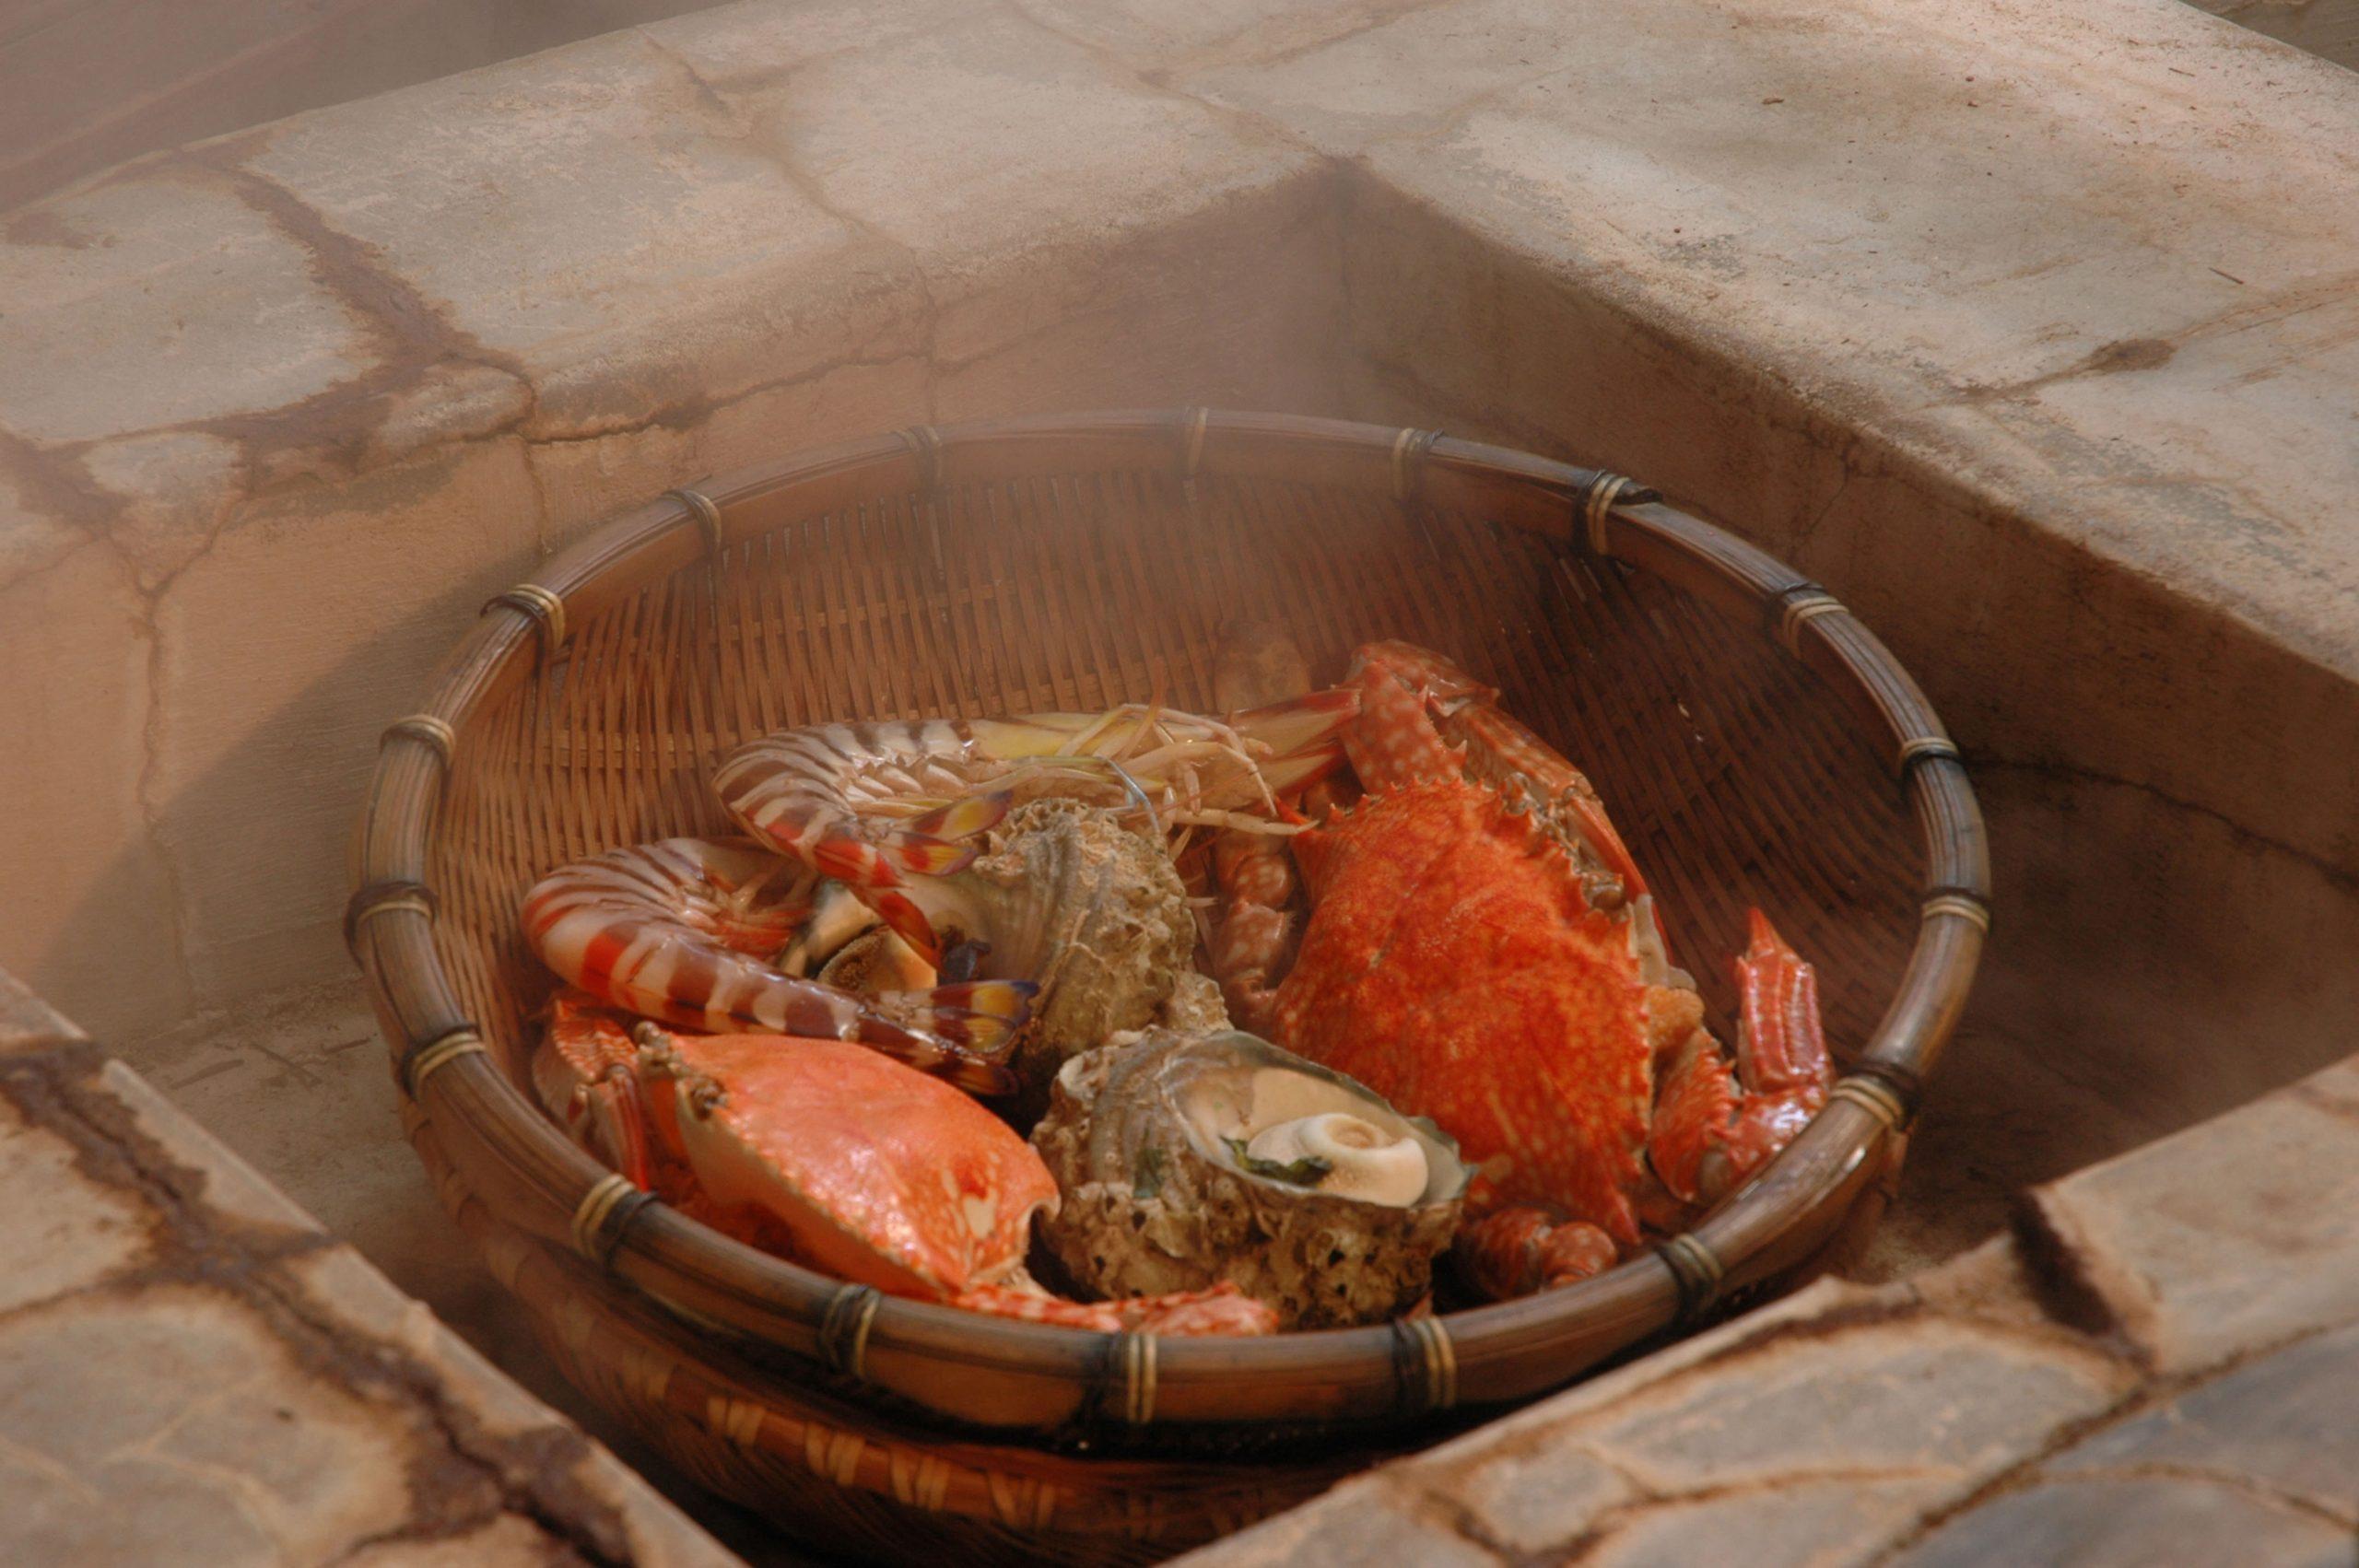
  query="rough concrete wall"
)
[
  {"x": 2328, "y": 29},
  {"x": 91, "y": 83}
]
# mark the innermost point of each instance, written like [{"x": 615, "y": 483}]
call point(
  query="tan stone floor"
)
[{"x": 299, "y": 1090}]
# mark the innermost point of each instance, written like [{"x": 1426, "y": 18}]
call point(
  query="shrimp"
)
[
  {"x": 872, "y": 804},
  {"x": 684, "y": 930}
]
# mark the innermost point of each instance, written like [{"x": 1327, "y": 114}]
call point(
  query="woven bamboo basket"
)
[{"x": 1756, "y": 743}]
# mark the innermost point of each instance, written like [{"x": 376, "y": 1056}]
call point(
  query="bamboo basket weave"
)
[{"x": 1755, "y": 742}]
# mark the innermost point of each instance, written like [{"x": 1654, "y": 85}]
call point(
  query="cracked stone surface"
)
[
  {"x": 190, "y": 1371},
  {"x": 990, "y": 135},
  {"x": 706, "y": 270},
  {"x": 159, "y": 302},
  {"x": 453, "y": 326},
  {"x": 1918, "y": 294},
  {"x": 1793, "y": 1523},
  {"x": 2121, "y": 1524},
  {"x": 1996, "y": 1410},
  {"x": 1831, "y": 1404},
  {"x": 2278, "y": 1424},
  {"x": 92, "y": 84}
]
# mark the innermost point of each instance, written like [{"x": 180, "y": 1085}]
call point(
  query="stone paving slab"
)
[
  {"x": 192, "y": 1372},
  {"x": 2132, "y": 1524},
  {"x": 2001, "y": 1409},
  {"x": 2202, "y": 1249},
  {"x": 2278, "y": 1425}
]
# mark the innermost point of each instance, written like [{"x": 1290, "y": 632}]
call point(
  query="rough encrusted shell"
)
[
  {"x": 1148, "y": 1208},
  {"x": 1069, "y": 896}
]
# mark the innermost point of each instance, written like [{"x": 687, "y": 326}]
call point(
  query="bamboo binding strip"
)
[{"x": 1745, "y": 727}]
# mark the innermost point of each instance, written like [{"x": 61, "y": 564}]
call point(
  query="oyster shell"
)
[{"x": 1188, "y": 1159}]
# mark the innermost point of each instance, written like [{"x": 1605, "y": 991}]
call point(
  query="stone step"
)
[{"x": 193, "y": 1372}]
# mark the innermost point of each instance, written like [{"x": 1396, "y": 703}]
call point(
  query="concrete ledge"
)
[{"x": 92, "y": 84}]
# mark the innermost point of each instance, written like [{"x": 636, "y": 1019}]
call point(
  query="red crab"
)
[
  {"x": 841, "y": 1157},
  {"x": 1483, "y": 950}
]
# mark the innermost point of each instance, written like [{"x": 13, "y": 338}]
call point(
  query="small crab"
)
[
  {"x": 843, "y": 1158},
  {"x": 1482, "y": 950}
]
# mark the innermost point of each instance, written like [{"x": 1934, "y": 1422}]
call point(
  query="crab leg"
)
[
  {"x": 614, "y": 1117},
  {"x": 1256, "y": 930},
  {"x": 583, "y": 1072},
  {"x": 1712, "y": 1128}
]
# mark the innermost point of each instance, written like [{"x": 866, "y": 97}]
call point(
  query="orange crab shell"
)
[
  {"x": 885, "y": 1175},
  {"x": 1452, "y": 965}
]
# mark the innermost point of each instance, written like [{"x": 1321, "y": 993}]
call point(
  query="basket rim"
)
[{"x": 1382, "y": 1374}]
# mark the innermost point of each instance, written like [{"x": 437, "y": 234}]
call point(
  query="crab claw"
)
[
  {"x": 1589, "y": 817},
  {"x": 1221, "y": 1309},
  {"x": 1712, "y": 1128},
  {"x": 1780, "y": 1047},
  {"x": 1036, "y": 1305},
  {"x": 1394, "y": 743}
]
